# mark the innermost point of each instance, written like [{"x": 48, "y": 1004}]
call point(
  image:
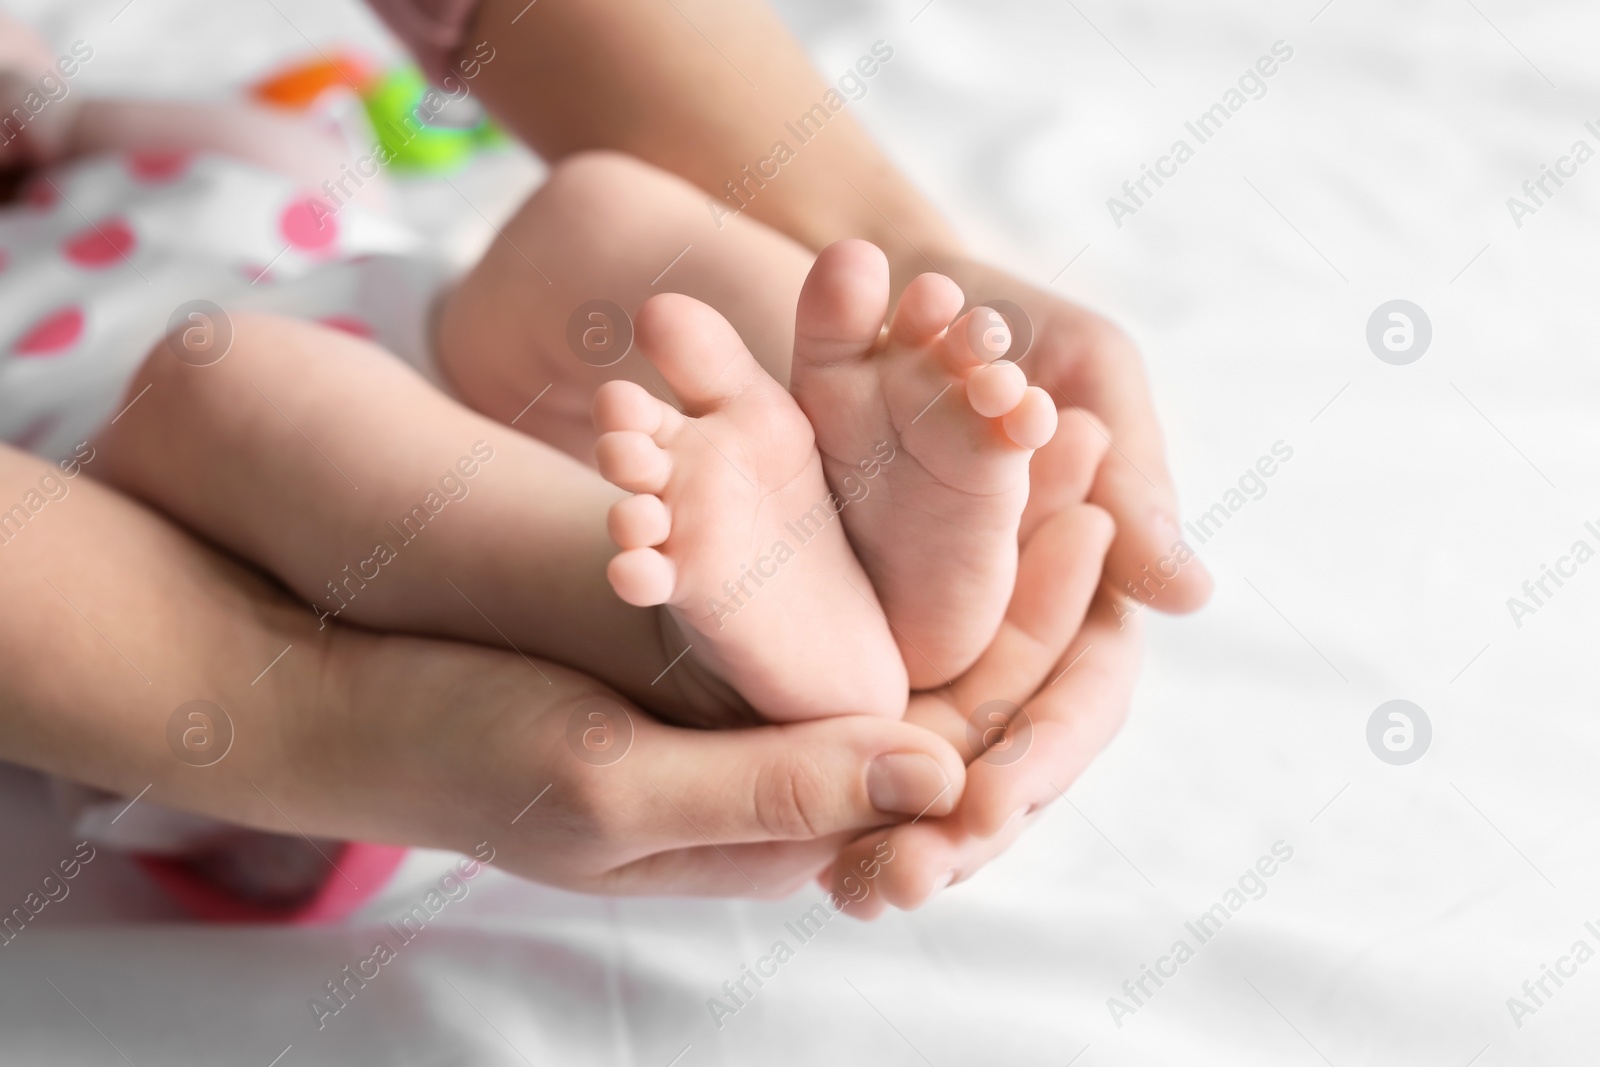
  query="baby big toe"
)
[
  {"x": 698, "y": 352},
  {"x": 842, "y": 306}
]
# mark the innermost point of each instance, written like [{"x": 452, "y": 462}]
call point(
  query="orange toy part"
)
[{"x": 299, "y": 86}]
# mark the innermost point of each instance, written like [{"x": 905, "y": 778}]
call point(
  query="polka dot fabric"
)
[{"x": 96, "y": 256}]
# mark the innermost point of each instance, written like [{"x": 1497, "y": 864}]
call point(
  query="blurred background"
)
[{"x": 1420, "y": 877}]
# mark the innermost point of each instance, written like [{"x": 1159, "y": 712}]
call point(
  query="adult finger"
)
[
  {"x": 1062, "y": 472},
  {"x": 680, "y": 788},
  {"x": 1088, "y": 362},
  {"x": 1056, "y": 580},
  {"x": 767, "y": 870},
  {"x": 1070, "y": 722},
  {"x": 1067, "y": 724},
  {"x": 912, "y": 863}
]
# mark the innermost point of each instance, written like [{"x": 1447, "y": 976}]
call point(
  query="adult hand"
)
[
  {"x": 1088, "y": 364},
  {"x": 573, "y": 787},
  {"x": 121, "y": 620},
  {"x": 1041, "y": 703},
  {"x": 1043, "y": 700}
]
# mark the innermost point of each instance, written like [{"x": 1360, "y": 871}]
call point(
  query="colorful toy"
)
[
  {"x": 418, "y": 126},
  {"x": 425, "y": 128}
]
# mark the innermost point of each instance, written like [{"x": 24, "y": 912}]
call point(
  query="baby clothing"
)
[{"x": 104, "y": 257}]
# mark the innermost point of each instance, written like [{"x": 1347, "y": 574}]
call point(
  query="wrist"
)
[{"x": 371, "y": 744}]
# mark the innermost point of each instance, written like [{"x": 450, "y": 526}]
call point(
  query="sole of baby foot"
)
[
  {"x": 732, "y": 529},
  {"x": 926, "y": 434}
]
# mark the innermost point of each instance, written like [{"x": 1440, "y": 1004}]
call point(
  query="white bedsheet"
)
[{"x": 1376, "y": 566}]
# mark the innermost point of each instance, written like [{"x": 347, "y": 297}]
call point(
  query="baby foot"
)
[
  {"x": 936, "y": 525},
  {"x": 733, "y": 527}
]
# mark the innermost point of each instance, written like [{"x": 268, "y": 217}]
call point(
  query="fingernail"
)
[
  {"x": 906, "y": 783},
  {"x": 944, "y": 880}
]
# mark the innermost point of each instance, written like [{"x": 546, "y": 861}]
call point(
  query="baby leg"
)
[
  {"x": 937, "y": 531},
  {"x": 606, "y": 227},
  {"x": 381, "y": 501}
]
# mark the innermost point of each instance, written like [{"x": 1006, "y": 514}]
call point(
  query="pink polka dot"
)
[
  {"x": 350, "y": 325},
  {"x": 101, "y": 245},
  {"x": 309, "y": 225},
  {"x": 52, "y": 335},
  {"x": 158, "y": 166}
]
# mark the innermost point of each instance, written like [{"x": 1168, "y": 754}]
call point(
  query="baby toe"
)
[
  {"x": 1032, "y": 422},
  {"x": 639, "y": 522},
  {"x": 987, "y": 334},
  {"x": 927, "y": 306},
  {"x": 996, "y": 389},
  {"x": 977, "y": 339},
  {"x": 631, "y": 460},
  {"x": 642, "y": 577},
  {"x": 624, "y": 405},
  {"x": 698, "y": 352},
  {"x": 842, "y": 307}
]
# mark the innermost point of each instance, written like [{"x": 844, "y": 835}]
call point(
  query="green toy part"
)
[{"x": 421, "y": 127}]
